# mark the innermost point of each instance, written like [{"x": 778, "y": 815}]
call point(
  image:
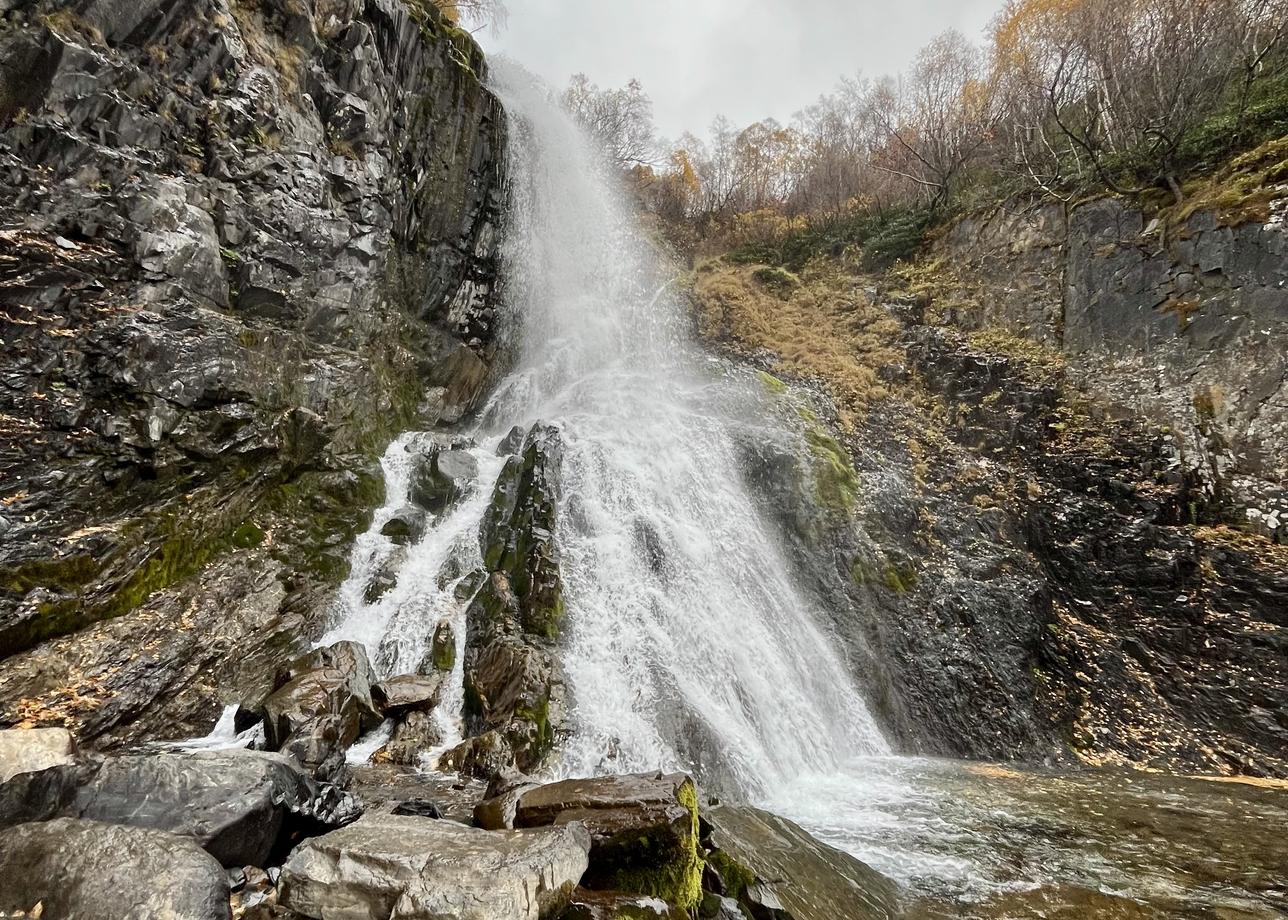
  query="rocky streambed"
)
[{"x": 249, "y": 834}]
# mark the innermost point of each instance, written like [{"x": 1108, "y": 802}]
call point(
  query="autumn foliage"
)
[{"x": 1064, "y": 97}]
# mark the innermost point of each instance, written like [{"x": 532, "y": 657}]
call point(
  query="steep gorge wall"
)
[
  {"x": 1184, "y": 324},
  {"x": 242, "y": 244}
]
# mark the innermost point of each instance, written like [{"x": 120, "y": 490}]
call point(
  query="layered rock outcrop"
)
[
  {"x": 1182, "y": 322},
  {"x": 241, "y": 246}
]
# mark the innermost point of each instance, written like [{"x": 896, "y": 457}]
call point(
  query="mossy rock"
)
[
  {"x": 836, "y": 483},
  {"x": 644, "y": 832}
]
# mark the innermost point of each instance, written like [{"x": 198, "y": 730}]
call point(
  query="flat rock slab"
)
[
  {"x": 392, "y": 867},
  {"x": 607, "y": 805},
  {"x": 28, "y": 750},
  {"x": 84, "y": 870},
  {"x": 795, "y": 875},
  {"x": 232, "y": 803}
]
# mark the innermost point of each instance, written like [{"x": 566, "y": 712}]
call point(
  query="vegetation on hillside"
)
[{"x": 1067, "y": 98}]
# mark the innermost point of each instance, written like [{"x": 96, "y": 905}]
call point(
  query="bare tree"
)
[{"x": 621, "y": 120}]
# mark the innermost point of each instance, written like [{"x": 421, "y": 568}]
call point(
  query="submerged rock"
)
[
  {"x": 93, "y": 871},
  {"x": 390, "y": 867},
  {"x": 644, "y": 831},
  {"x": 774, "y": 868}
]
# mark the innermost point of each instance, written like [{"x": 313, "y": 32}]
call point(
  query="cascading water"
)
[{"x": 687, "y": 644}]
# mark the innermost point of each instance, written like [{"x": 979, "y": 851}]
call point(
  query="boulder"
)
[
  {"x": 41, "y": 795},
  {"x": 28, "y": 750},
  {"x": 775, "y": 869},
  {"x": 237, "y": 805},
  {"x": 644, "y": 831},
  {"x": 408, "y": 692},
  {"x": 391, "y": 867},
  {"x": 406, "y": 526},
  {"x": 349, "y": 658},
  {"x": 322, "y": 708},
  {"x": 441, "y": 479},
  {"x": 486, "y": 756},
  {"x": 91, "y": 871}
]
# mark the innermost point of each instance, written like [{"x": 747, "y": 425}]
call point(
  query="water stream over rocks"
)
[{"x": 686, "y": 642}]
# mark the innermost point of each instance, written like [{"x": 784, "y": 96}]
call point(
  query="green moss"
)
[
  {"x": 836, "y": 483},
  {"x": 65, "y": 576},
  {"x": 541, "y": 738},
  {"x": 737, "y": 878},
  {"x": 779, "y": 280},
  {"x": 900, "y": 580},
  {"x": 772, "y": 383},
  {"x": 655, "y": 868}
]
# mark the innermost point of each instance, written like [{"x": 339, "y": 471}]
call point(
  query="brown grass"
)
[{"x": 824, "y": 328}]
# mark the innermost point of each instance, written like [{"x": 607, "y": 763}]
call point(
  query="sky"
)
[{"x": 746, "y": 59}]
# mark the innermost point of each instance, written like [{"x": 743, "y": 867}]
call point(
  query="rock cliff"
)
[{"x": 242, "y": 245}]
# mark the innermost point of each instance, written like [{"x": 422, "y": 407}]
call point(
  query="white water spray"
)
[{"x": 687, "y": 642}]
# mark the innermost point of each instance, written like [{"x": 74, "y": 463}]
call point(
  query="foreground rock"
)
[
  {"x": 390, "y": 867},
  {"x": 91, "y": 871},
  {"x": 773, "y": 868},
  {"x": 240, "y": 806},
  {"x": 31, "y": 750},
  {"x": 644, "y": 831}
]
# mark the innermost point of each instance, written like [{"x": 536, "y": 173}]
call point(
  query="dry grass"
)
[{"x": 823, "y": 328}]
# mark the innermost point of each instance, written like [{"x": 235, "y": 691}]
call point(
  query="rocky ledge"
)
[{"x": 250, "y": 835}]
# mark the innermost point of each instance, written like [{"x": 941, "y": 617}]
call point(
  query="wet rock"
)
[
  {"x": 383, "y": 787},
  {"x": 774, "y": 869},
  {"x": 322, "y": 708},
  {"x": 415, "y": 733},
  {"x": 483, "y": 757},
  {"x": 406, "y": 692},
  {"x": 386, "y": 866},
  {"x": 406, "y": 526},
  {"x": 31, "y": 750},
  {"x": 606, "y": 905},
  {"x": 95, "y": 871},
  {"x": 237, "y": 805},
  {"x": 442, "y": 479},
  {"x": 644, "y": 831},
  {"x": 215, "y": 261},
  {"x": 442, "y": 651},
  {"x": 385, "y": 578},
  {"x": 513, "y": 680}
]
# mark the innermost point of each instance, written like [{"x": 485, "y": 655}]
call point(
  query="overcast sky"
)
[{"x": 747, "y": 59}]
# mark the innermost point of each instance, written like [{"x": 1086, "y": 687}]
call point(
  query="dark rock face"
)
[
  {"x": 513, "y": 680},
  {"x": 1024, "y": 576},
  {"x": 236, "y": 805},
  {"x": 1182, "y": 325},
  {"x": 237, "y": 244},
  {"x": 95, "y": 871}
]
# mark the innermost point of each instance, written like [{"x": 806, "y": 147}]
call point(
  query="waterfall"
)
[{"x": 687, "y": 643}]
